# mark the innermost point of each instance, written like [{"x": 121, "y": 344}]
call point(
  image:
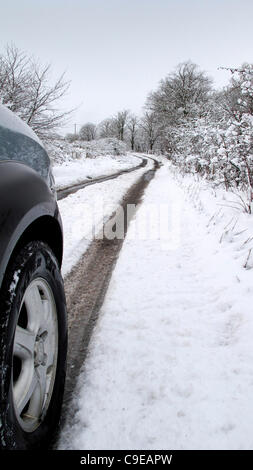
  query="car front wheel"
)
[{"x": 33, "y": 346}]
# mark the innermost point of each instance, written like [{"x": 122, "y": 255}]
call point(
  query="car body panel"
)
[
  {"x": 20, "y": 143},
  {"x": 27, "y": 192},
  {"x": 24, "y": 198}
]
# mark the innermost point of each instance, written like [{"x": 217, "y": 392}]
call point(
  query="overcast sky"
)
[{"x": 116, "y": 51}]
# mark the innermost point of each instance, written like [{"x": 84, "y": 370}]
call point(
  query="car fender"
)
[{"x": 24, "y": 198}]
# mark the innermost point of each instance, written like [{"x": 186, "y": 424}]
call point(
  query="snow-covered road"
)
[
  {"x": 171, "y": 359},
  {"x": 84, "y": 212}
]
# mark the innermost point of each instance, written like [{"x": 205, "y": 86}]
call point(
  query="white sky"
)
[{"x": 116, "y": 51}]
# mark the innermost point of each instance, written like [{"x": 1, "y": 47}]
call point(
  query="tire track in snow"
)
[
  {"x": 64, "y": 192},
  {"x": 85, "y": 288}
]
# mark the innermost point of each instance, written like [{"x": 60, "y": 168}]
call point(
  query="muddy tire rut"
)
[{"x": 85, "y": 288}]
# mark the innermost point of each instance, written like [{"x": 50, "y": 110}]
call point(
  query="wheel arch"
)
[
  {"x": 46, "y": 229},
  {"x": 28, "y": 211}
]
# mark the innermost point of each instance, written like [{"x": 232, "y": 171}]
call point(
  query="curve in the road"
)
[{"x": 64, "y": 192}]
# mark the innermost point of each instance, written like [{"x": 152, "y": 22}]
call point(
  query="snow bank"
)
[
  {"x": 224, "y": 214},
  {"x": 170, "y": 363},
  {"x": 71, "y": 172}
]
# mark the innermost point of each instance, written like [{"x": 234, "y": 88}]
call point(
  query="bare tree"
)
[
  {"x": 106, "y": 128},
  {"x": 182, "y": 94},
  {"x": 132, "y": 127},
  {"x": 120, "y": 122},
  {"x": 26, "y": 89},
  {"x": 88, "y": 131},
  {"x": 14, "y": 78},
  {"x": 151, "y": 129}
]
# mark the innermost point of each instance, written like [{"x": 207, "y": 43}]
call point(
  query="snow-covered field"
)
[{"x": 170, "y": 363}]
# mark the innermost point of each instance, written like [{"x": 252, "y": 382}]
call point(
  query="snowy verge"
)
[
  {"x": 76, "y": 171},
  {"x": 170, "y": 363},
  {"x": 224, "y": 215}
]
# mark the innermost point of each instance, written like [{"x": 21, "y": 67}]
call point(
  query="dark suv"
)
[{"x": 33, "y": 325}]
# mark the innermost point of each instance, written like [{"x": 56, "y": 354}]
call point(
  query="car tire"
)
[{"x": 33, "y": 348}]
